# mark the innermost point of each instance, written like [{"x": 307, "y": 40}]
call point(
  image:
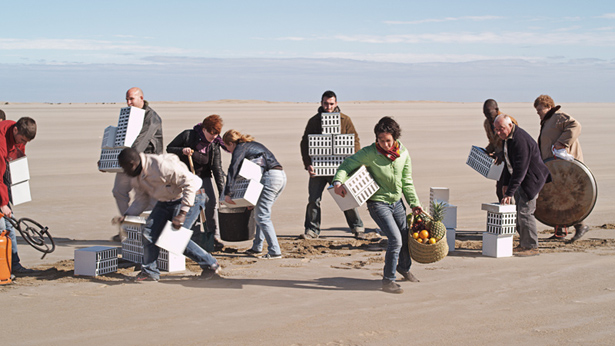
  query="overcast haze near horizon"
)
[{"x": 75, "y": 51}]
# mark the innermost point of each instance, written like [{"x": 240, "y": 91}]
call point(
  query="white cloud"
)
[
  {"x": 608, "y": 16},
  {"x": 510, "y": 38},
  {"x": 420, "y": 58},
  {"x": 85, "y": 45},
  {"x": 446, "y": 19}
]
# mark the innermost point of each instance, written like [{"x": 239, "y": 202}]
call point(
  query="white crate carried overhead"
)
[
  {"x": 501, "y": 219},
  {"x": 484, "y": 164},
  {"x": 360, "y": 186},
  {"x": 108, "y": 160},
  {"x": 95, "y": 260},
  {"x": 129, "y": 126}
]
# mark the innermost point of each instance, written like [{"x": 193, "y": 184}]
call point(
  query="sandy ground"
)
[{"x": 324, "y": 292}]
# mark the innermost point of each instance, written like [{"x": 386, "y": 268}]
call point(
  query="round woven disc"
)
[{"x": 570, "y": 197}]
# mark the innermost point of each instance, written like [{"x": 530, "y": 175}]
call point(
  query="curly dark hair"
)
[{"x": 388, "y": 125}]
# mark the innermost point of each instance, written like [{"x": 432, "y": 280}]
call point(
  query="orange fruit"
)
[
  {"x": 432, "y": 240},
  {"x": 415, "y": 235},
  {"x": 424, "y": 234},
  {"x": 419, "y": 240}
]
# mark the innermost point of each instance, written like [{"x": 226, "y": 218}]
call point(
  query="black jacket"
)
[
  {"x": 528, "y": 169},
  {"x": 250, "y": 151},
  {"x": 149, "y": 140},
  {"x": 203, "y": 167}
]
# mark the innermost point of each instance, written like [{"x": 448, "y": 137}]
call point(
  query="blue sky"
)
[{"x": 92, "y": 51}]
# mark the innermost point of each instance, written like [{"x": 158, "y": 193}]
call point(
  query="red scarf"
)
[{"x": 392, "y": 154}]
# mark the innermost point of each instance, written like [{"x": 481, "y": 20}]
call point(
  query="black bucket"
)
[{"x": 236, "y": 224}]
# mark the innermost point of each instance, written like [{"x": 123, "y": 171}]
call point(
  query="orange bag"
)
[{"x": 6, "y": 254}]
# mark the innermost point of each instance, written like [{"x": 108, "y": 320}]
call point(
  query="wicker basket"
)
[{"x": 426, "y": 253}]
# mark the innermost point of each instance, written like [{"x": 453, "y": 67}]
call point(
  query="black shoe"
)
[
  {"x": 211, "y": 272},
  {"x": 308, "y": 235},
  {"x": 359, "y": 233},
  {"x": 218, "y": 245},
  {"x": 116, "y": 238},
  {"x": 579, "y": 233},
  {"x": 144, "y": 277},
  {"x": 252, "y": 253},
  {"x": 19, "y": 270},
  {"x": 407, "y": 276},
  {"x": 559, "y": 234},
  {"x": 391, "y": 287}
]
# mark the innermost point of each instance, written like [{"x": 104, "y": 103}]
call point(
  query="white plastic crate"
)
[
  {"x": 174, "y": 240},
  {"x": 450, "y": 239},
  {"x": 245, "y": 193},
  {"x": 108, "y": 160},
  {"x": 320, "y": 145},
  {"x": 19, "y": 170},
  {"x": 438, "y": 193},
  {"x": 327, "y": 161},
  {"x": 20, "y": 192},
  {"x": 331, "y": 130},
  {"x": 343, "y": 144},
  {"x": 129, "y": 126},
  {"x": 132, "y": 247},
  {"x": 109, "y": 135},
  {"x": 250, "y": 170},
  {"x": 360, "y": 186},
  {"x": 330, "y": 120},
  {"x": 501, "y": 219},
  {"x": 95, "y": 260},
  {"x": 497, "y": 245},
  {"x": 324, "y": 171},
  {"x": 484, "y": 164}
]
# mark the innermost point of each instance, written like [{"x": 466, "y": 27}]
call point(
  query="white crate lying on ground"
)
[
  {"x": 108, "y": 160},
  {"x": 95, "y": 260},
  {"x": 484, "y": 164},
  {"x": 245, "y": 193},
  {"x": 501, "y": 219},
  {"x": 132, "y": 247},
  {"x": 497, "y": 245},
  {"x": 129, "y": 126},
  {"x": 451, "y": 233},
  {"x": 343, "y": 144},
  {"x": 438, "y": 193},
  {"x": 360, "y": 186},
  {"x": 441, "y": 194},
  {"x": 320, "y": 145}
]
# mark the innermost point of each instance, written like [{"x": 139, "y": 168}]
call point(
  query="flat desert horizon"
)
[{"x": 565, "y": 295}]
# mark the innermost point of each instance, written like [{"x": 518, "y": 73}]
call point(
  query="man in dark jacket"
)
[
  {"x": 149, "y": 141},
  {"x": 328, "y": 104},
  {"x": 523, "y": 178}
]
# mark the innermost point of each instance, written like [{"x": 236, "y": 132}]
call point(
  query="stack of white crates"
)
[
  {"x": 20, "y": 180},
  {"x": 95, "y": 260},
  {"x": 484, "y": 164},
  {"x": 329, "y": 149},
  {"x": 360, "y": 186},
  {"x": 117, "y": 138},
  {"x": 441, "y": 194},
  {"x": 501, "y": 227},
  {"x": 132, "y": 247},
  {"x": 247, "y": 187}
]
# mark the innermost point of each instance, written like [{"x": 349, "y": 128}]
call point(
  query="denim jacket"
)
[{"x": 251, "y": 151}]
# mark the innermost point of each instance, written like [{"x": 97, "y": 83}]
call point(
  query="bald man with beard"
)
[{"x": 149, "y": 141}]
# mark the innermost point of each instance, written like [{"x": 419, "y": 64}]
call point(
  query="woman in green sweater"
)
[{"x": 388, "y": 162}]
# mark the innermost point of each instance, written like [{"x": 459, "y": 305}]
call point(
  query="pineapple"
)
[{"x": 436, "y": 227}]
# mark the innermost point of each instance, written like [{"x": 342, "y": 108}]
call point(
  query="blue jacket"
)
[
  {"x": 528, "y": 170},
  {"x": 250, "y": 151}
]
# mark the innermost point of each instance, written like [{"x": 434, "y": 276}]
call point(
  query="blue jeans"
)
[
  {"x": 391, "y": 218},
  {"x": 163, "y": 212},
  {"x": 5, "y": 225},
  {"x": 274, "y": 181},
  {"x": 208, "y": 202},
  {"x": 316, "y": 186}
]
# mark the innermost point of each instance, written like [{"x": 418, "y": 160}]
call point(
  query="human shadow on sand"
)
[{"x": 327, "y": 284}]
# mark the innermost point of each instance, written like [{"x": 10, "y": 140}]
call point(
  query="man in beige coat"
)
[{"x": 558, "y": 130}]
